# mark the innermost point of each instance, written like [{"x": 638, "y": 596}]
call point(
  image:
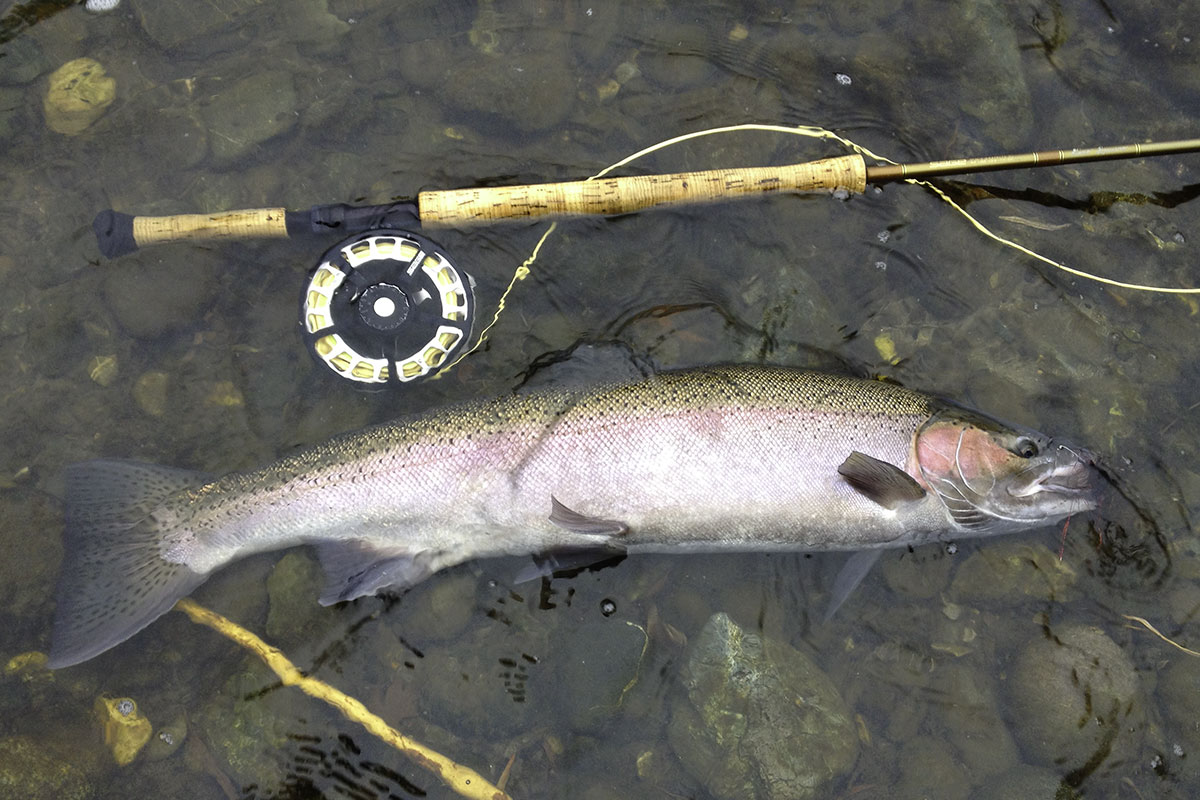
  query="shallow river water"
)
[{"x": 998, "y": 669}]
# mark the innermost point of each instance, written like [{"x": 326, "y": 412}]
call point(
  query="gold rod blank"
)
[{"x": 1044, "y": 158}]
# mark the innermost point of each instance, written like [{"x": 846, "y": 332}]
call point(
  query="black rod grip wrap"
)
[
  {"x": 343, "y": 219},
  {"x": 298, "y": 223},
  {"x": 114, "y": 233}
]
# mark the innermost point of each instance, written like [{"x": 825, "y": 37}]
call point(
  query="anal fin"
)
[{"x": 355, "y": 569}]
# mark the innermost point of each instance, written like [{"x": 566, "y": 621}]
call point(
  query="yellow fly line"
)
[
  {"x": 1146, "y": 624},
  {"x": 813, "y": 132}
]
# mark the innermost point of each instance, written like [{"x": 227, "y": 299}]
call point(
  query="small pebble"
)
[
  {"x": 150, "y": 392},
  {"x": 103, "y": 369},
  {"x": 626, "y": 71}
]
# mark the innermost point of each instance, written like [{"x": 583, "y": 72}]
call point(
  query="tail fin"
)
[{"x": 114, "y": 580}]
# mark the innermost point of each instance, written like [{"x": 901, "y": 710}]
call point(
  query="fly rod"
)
[
  {"x": 119, "y": 234},
  {"x": 386, "y": 307}
]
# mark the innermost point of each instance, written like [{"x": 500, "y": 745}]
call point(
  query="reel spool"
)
[{"x": 386, "y": 308}]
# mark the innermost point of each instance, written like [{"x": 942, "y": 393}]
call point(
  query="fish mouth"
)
[{"x": 1068, "y": 472}]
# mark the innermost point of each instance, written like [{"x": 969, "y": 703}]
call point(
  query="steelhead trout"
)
[{"x": 726, "y": 458}]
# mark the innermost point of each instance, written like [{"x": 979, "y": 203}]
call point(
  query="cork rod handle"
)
[
  {"x": 118, "y": 234},
  {"x": 607, "y": 196}
]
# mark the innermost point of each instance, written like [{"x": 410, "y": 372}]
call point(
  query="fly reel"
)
[{"x": 386, "y": 308}]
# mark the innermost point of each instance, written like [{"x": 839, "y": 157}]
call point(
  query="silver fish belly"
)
[{"x": 728, "y": 458}]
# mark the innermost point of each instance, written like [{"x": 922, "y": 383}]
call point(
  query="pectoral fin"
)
[
  {"x": 571, "y": 520},
  {"x": 887, "y": 485},
  {"x": 354, "y": 569}
]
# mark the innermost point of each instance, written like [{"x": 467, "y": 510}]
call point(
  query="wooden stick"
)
[{"x": 462, "y": 780}]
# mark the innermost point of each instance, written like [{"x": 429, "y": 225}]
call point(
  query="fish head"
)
[{"x": 993, "y": 477}]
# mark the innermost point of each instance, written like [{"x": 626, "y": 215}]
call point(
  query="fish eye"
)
[{"x": 1025, "y": 447}]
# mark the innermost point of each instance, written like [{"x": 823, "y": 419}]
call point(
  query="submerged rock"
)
[
  {"x": 758, "y": 719},
  {"x": 245, "y": 730},
  {"x": 1024, "y": 782},
  {"x": 126, "y": 730},
  {"x": 524, "y": 87},
  {"x": 167, "y": 738},
  {"x": 437, "y": 611},
  {"x": 1006, "y": 570},
  {"x": 929, "y": 768},
  {"x": 11, "y": 112},
  {"x": 488, "y": 682},
  {"x": 191, "y": 26},
  {"x": 79, "y": 93},
  {"x": 293, "y": 614},
  {"x": 27, "y": 573},
  {"x": 24, "y": 60},
  {"x": 249, "y": 113},
  {"x": 918, "y": 574},
  {"x": 150, "y": 392},
  {"x": 970, "y": 709},
  {"x": 151, "y": 299},
  {"x": 1179, "y": 698},
  {"x": 1077, "y": 703}
]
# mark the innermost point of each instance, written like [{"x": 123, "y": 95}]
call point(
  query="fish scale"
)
[{"x": 716, "y": 459}]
